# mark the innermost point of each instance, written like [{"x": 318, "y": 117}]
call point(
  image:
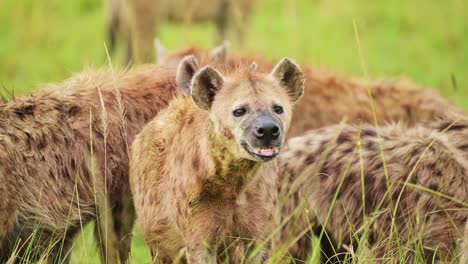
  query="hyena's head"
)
[
  {"x": 217, "y": 55},
  {"x": 250, "y": 110}
]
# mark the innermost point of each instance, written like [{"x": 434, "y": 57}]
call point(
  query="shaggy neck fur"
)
[
  {"x": 220, "y": 174},
  {"x": 231, "y": 173}
]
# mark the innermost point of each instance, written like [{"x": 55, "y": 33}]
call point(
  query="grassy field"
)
[{"x": 426, "y": 41}]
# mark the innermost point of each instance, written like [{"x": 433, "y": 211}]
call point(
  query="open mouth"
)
[{"x": 264, "y": 153}]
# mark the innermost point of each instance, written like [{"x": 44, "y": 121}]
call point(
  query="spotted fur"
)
[
  {"x": 64, "y": 149},
  {"x": 195, "y": 187},
  {"x": 432, "y": 208}
]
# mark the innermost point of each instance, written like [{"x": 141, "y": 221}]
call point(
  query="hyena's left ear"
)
[
  {"x": 206, "y": 83},
  {"x": 218, "y": 55},
  {"x": 187, "y": 68},
  {"x": 290, "y": 76}
]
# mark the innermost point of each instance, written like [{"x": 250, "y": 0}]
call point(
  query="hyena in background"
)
[
  {"x": 330, "y": 97},
  {"x": 137, "y": 21},
  {"x": 63, "y": 149},
  {"x": 199, "y": 171},
  {"x": 338, "y": 176}
]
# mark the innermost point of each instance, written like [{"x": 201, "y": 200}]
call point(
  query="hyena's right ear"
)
[
  {"x": 206, "y": 83},
  {"x": 218, "y": 55},
  {"x": 187, "y": 68}
]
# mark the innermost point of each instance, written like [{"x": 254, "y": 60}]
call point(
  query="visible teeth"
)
[{"x": 267, "y": 151}]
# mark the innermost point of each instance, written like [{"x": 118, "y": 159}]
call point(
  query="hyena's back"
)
[{"x": 431, "y": 208}]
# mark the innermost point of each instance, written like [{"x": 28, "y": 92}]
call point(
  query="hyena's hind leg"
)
[
  {"x": 124, "y": 218},
  {"x": 7, "y": 220},
  {"x": 104, "y": 233},
  {"x": 104, "y": 230},
  {"x": 61, "y": 252}
]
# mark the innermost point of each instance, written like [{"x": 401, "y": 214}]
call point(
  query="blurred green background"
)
[{"x": 426, "y": 41}]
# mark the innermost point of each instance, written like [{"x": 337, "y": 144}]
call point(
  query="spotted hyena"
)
[
  {"x": 63, "y": 149},
  {"x": 136, "y": 21},
  {"x": 331, "y": 97},
  {"x": 201, "y": 171},
  {"x": 338, "y": 175}
]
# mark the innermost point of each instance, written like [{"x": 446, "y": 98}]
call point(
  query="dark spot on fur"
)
[
  {"x": 371, "y": 202},
  {"x": 196, "y": 163},
  {"x": 342, "y": 138},
  {"x": 349, "y": 180},
  {"x": 298, "y": 153},
  {"x": 209, "y": 192},
  {"x": 325, "y": 168},
  {"x": 431, "y": 166},
  {"x": 367, "y": 132},
  {"x": 190, "y": 120},
  {"x": 414, "y": 178},
  {"x": 147, "y": 117},
  {"x": 148, "y": 96},
  {"x": 407, "y": 110},
  {"x": 395, "y": 194},
  {"x": 334, "y": 191},
  {"x": 434, "y": 187},
  {"x": 29, "y": 139},
  {"x": 463, "y": 147},
  {"x": 228, "y": 134},
  {"x": 322, "y": 147},
  {"x": 454, "y": 127},
  {"x": 369, "y": 181},
  {"x": 369, "y": 145},
  {"x": 415, "y": 152},
  {"x": 310, "y": 159},
  {"x": 180, "y": 158},
  {"x": 73, "y": 110},
  {"x": 348, "y": 150},
  {"x": 24, "y": 110},
  {"x": 73, "y": 164},
  {"x": 323, "y": 177}
]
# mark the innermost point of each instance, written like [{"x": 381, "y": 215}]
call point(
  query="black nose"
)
[{"x": 267, "y": 130}]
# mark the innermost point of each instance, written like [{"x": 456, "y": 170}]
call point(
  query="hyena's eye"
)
[
  {"x": 278, "y": 109},
  {"x": 239, "y": 112}
]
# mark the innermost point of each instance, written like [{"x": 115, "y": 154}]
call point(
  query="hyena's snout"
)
[
  {"x": 264, "y": 137},
  {"x": 267, "y": 131}
]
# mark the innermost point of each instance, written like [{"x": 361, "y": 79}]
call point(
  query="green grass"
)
[{"x": 426, "y": 41}]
